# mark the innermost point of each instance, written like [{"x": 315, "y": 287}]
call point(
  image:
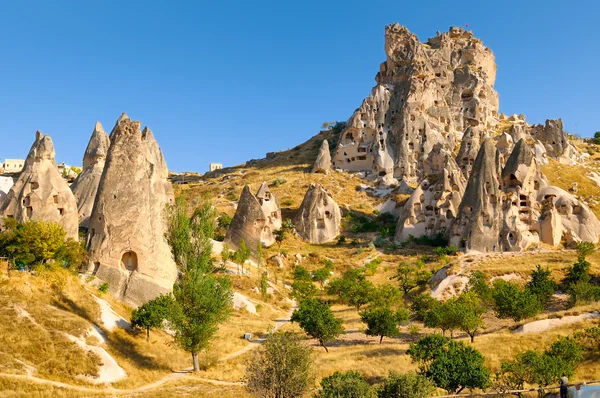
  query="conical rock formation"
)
[
  {"x": 323, "y": 162},
  {"x": 86, "y": 184},
  {"x": 319, "y": 218},
  {"x": 40, "y": 193},
  {"x": 255, "y": 219},
  {"x": 126, "y": 235}
]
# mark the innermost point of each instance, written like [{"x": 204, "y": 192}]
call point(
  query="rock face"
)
[
  {"x": 478, "y": 224},
  {"x": 522, "y": 178},
  {"x": 426, "y": 93},
  {"x": 323, "y": 162},
  {"x": 577, "y": 222},
  {"x": 41, "y": 193},
  {"x": 255, "y": 219},
  {"x": 555, "y": 141},
  {"x": 6, "y": 184},
  {"x": 86, "y": 184},
  {"x": 126, "y": 242},
  {"x": 319, "y": 217},
  {"x": 433, "y": 206}
]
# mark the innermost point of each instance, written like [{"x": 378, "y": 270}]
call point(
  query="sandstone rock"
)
[
  {"x": 255, "y": 219},
  {"x": 521, "y": 180},
  {"x": 126, "y": 235},
  {"x": 555, "y": 141},
  {"x": 478, "y": 224},
  {"x": 323, "y": 162},
  {"x": 319, "y": 217},
  {"x": 469, "y": 147},
  {"x": 6, "y": 184},
  {"x": 40, "y": 193},
  {"x": 505, "y": 146},
  {"x": 578, "y": 223},
  {"x": 86, "y": 184},
  {"x": 433, "y": 206},
  {"x": 426, "y": 93}
]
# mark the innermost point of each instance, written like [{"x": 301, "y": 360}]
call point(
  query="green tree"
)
[
  {"x": 596, "y": 138},
  {"x": 202, "y": 300},
  {"x": 317, "y": 320},
  {"x": 478, "y": 284},
  {"x": 280, "y": 235},
  {"x": 151, "y": 314},
  {"x": 380, "y": 322},
  {"x": 512, "y": 302},
  {"x": 406, "y": 275},
  {"x": 321, "y": 275},
  {"x": 451, "y": 365},
  {"x": 386, "y": 295},
  {"x": 242, "y": 255},
  {"x": 345, "y": 385},
  {"x": 352, "y": 288},
  {"x": 407, "y": 385},
  {"x": 281, "y": 368},
  {"x": 421, "y": 304},
  {"x": 541, "y": 286},
  {"x": 468, "y": 310},
  {"x": 584, "y": 249}
]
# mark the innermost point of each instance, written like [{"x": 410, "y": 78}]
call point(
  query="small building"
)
[
  {"x": 13, "y": 165},
  {"x": 215, "y": 166}
]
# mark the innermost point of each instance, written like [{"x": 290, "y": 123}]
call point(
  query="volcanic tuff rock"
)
[
  {"x": 478, "y": 224},
  {"x": 126, "y": 235},
  {"x": 426, "y": 93},
  {"x": 432, "y": 207},
  {"x": 85, "y": 186},
  {"x": 555, "y": 141},
  {"x": 255, "y": 219},
  {"x": 41, "y": 193},
  {"x": 323, "y": 162},
  {"x": 319, "y": 218}
]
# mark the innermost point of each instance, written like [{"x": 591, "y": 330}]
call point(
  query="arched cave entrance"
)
[{"x": 129, "y": 261}]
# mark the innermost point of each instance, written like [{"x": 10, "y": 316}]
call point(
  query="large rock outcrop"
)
[
  {"x": 555, "y": 141},
  {"x": 479, "y": 221},
  {"x": 426, "y": 93},
  {"x": 86, "y": 184},
  {"x": 323, "y": 161},
  {"x": 255, "y": 219},
  {"x": 40, "y": 193},
  {"x": 433, "y": 206},
  {"x": 126, "y": 233},
  {"x": 319, "y": 218}
]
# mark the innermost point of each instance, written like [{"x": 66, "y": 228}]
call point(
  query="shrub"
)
[
  {"x": 282, "y": 367},
  {"x": 279, "y": 181},
  {"x": 103, "y": 288},
  {"x": 371, "y": 266},
  {"x": 583, "y": 293},
  {"x": 341, "y": 240},
  {"x": 450, "y": 250},
  {"x": 438, "y": 240},
  {"x": 350, "y": 384},
  {"x": 407, "y": 385},
  {"x": 512, "y": 302}
]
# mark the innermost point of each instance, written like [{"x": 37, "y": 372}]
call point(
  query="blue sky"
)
[{"x": 227, "y": 81}]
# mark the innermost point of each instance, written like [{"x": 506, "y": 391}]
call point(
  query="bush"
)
[
  {"x": 350, "y": 384},
  {"x": 408, "y": 385},
  {"x": 371, "y": 266},
  {"x": 279, "y": 181},
  {"x": 438, "y": 240},
  {"x": 449, "y": 250},
  {"x": 103, "y": 288},
  {"x": 341, "y": 240},
  {"x": 282, "y": 367},
  {"x": 583, "y": 293},
  {"x": 512, "y": 302}
]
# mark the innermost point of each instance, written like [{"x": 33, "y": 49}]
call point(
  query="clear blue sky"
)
[{"x": 226, "y": 81}]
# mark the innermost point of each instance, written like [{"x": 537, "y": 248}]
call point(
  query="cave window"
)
[
  {"x": 362, "y": 158},
  {"x": 362, "y": 149},
  {"x": 55, "y": 197},
  {"x": 34, "y": 185},
  {"x": 29, "y": 212},
  {"x": 438, "y": 74},
  {"x": 412, "y": 118},
  {"x": 61, "y": 211},
  {"x": 449, "y": 214},
  {"x": 576, "y": 209},
  {"x": 327, "y": 214},
  {"x": 467, "y": 95},
  {"x": 129, "y": 261},
  {"x": 382, "y": 173},
  {"x": 320, "y": 223},
  {"x": 96, "y": 267},
  {"x": 536, "y": 185},
  {"x": 274, "y": 214}
]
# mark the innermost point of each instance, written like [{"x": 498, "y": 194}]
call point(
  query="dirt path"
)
[{"x": 178, "y": 375}]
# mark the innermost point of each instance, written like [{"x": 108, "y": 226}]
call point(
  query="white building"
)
[
  {"x": 5, "y": 184},
  {"x": 13, "y": 165},
  {"x": 215, "y": 166}
]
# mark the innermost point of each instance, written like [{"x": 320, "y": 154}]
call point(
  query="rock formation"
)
[
  {"x": 126, "y": 233},
  {"x": 433, "y": 206},
  {"x": 555, "y": 141},
  {"x": 6, "y": 184},
  {"x": 577, "y": 222},
  {"x": 255, "y": 219},
  {"x": 323, "y": 162},
  {"x": 319, "y": 218},
  {"x": 86, "y": 184},
  {"x": 479, "y": 221},
  {"x": 40, "y": 193},
  {"x": 522, "y": 178},
  {"x": 426, "y": 93}
]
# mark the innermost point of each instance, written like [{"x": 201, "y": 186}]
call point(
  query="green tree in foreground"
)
[
  {"x": 40, "y": 244},
  {"x": 510, "y": 301},
  {"x": 317, "y": 320},
  {"x": 281, "y": 368},
  {"x": 152, "y": 314},
  {"x": 202, "y": 300},
  {"x": 346, "y": 385},
  {"x": 451, "y": 365},
  {"x": 468, "y": 311},
  {"x": 407, "y": 385}
]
